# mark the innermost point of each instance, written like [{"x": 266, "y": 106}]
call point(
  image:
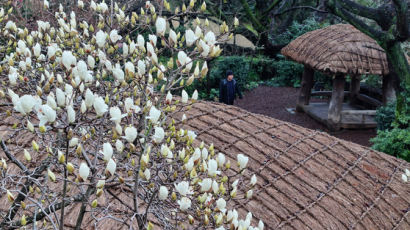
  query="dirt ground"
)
[{"x": 274, "y": 102}]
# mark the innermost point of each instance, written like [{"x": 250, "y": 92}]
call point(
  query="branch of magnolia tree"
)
[
  {"x": 13, "y": 159},
  {"x": 301, "y": 7}
]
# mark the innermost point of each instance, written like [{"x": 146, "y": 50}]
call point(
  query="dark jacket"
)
[{"x": 228, "y": 91}]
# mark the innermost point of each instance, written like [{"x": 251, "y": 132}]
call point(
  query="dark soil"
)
[{"x": 273, "y": 102}]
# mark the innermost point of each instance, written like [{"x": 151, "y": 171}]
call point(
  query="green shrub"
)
[
  {"x": 385, "y": 116},
  {"x": 287, "y": 73},
  {"x": 394, "y": 142}
]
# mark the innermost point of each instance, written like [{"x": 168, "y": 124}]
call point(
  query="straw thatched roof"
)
[
  {"x": 306, "y": 179},
  {"x": 338, "y": 49}
]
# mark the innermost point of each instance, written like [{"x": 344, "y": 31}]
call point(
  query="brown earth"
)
[{"x": 273, "y": 102}]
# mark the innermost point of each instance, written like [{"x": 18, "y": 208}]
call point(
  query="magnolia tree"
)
[{"x": 95, "y": 106}]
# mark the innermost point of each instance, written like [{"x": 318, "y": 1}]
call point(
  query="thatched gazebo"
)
[
  {"x": 306, "y": 179},
  {"x": 340, "y": 50}
]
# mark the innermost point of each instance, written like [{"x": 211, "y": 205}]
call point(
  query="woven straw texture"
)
[
  {"x": 306, "y": 179},
  {"x": 338, "y": 48}
]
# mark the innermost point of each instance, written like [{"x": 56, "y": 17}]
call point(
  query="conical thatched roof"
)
[
  {"x": 306, "y": 179},
  {"x": 338, "y": 49}
]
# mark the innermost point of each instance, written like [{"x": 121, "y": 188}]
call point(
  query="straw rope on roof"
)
[
  {"x": 338, "y": 48},
  {"x": 306, "y": 179}
]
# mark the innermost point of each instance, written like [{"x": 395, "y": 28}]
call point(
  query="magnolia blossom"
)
[
  {"x": 130, "y": 107},
  {"x": 242, "y": 161},
  {"x": 111, "y": 166},
  {"x": 37, "y": 50},
  {"x": 184, "y": 98},
  {"x": 130, "y": 134},
  {"x": 141, "y": 67},
  {"x": 46, "y": 114},
  {"x": 100, "y": 38},
  {"x": 25, "y": 104},
  {"x": 89, "y": 98},
  {"x": 100, "y": 106},
  {"x": 210, "y": 38},
  {"x": 70, "y": 114},
  {"x": 129, "y": 68},
  {"x": 153, "y": 39},
  {"x": 154, "y": 114},
  {"x": 68, "y": 59},
  {"x": 253, "y": 180},
  {"x": 107, "y": 151},
  {"x": 114, "y": 36},
  {"x": 183, "y": 188},
  {"x": 160, "y": 26},
  {"x": 213, "y": 168},
  {"x": 119, "y": 146},
  {"x": 190, "y": 37},
  {"x": 173, "y": 36},
  {"x": 205, "y": 184},
  {"x": 116, "y": 115},
  {"x": 140, "y": 41},
  {"x": 191, "y": 134},
  {"x": 84, "y": 171},
  {"x": 103, "y": 6},
  {"x": 168, "y": 98},
  {"x": 158, "y": 135},
  {"x": 221, "y": 204},
  {"x": 182, "y": 57},
  {"x": 184, "y": 203},
  {"x": 163, "y": 193}
]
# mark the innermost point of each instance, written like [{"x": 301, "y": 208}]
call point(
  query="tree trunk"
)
[
  {"x": 305, "y": 89},
  {"x": 336, "y": 102},
  {"x": 389, "y": 92},
  {"x": 354, "y": 89},
  {"x": 398, "y": 63}
]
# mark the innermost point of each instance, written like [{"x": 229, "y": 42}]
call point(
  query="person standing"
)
[{"x": 228, "y": 88}]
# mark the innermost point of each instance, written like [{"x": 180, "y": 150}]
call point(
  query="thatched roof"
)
[
  {"x": 306, "y": 179},
  {"x": 338, "y": 49}
]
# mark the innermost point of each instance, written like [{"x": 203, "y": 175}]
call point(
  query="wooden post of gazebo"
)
[
  {"x": 305, "y": 89},
  {"x": 354, "y": 89},
  {"x": 389, "y": 92},
  {"x": 336, "y": 102}
]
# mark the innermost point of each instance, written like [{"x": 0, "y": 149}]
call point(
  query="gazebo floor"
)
[{"x": 352, "y": 120}]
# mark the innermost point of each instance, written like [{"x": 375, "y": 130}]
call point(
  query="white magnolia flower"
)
[
  {"x": 147, "y": 174},
  {"x": 253, "y": 180},
  {"x": 195, "y": 95},
  {"x": 184, "y": 98},
  {"x": 116, "y": 115},
  {"x": 100, "y": 38},
  {"x": 183, "y": 117},
  {"x": 100, "y": 106},
  {"x": 46, "y": 114},
  {"x": 111, "y": 166},
  {"x": 130, "y": 107},
  {"x": 114, "y": 36},
  {"x": 232, "y": 215},
  {"x": 220, "y": 159},
  {"x": 407, "y": 172},
  {"x": 25, "y": 104},
  {"x": 84, "y": 171},
  {"x": 205, "y": 184},
  {"x": 191, "y": 134},
  {"x": 210, "y": 38},
  {"x": 73, "y": 142},
  {"x": 184, "y": 203},
  {"x": 204, "y": 154},
  {"x": 213, "y": 168},
  {"x": 100, "y": 183},
  {"x": 198, "y": 31},
  {"x": 46, "y": 4},
  {"x": 404, "y": 177},
  {"x": 168, "y": 98},
  {"x": 190, "y": 37},
  {"x": 141, "y": 67},
  {"x": 124, "y": 49},
  {"x": 80, "y": 4},
  {"x": 89, "y": 98},
  {"x": 182, "y": 57},
  {"x": 129, "y": 68},
  {"x": 104, "y": 7},
  {"x": 70, "y": 114},
  {"x": 173, "y": 36},
  {"x": 91, "y": 62},
  {"x": 10, "y": 25},
  {"x": 37, "y": 50},
  {"x": 163, "y": 193},
  {"x": 160, "y": 26},
  {"x": 130, "y": 134},
  {"x": 107, "y": 151},
  {"x": 140, "y": 41},
  {"x": 154, "y": 114},
  {"x": 68, "y": 59},
  {"x": 249, "y": 194},
  {"x": 242, "y": 161},
  {"x": 158, "y": 135},
  {"x": 133, "y": 46},
  {"x": 13, "y": 78},
  {"x": 93, "y": 5},
  {"x": 119, "y": 146},
  {"x": 261, "y": 225},
  {"x": 183, "y": 188},
  {"x": 153, "y": 39},
  {"x": 189, "y": 165},
  {"x": 221, "y": 204}
]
